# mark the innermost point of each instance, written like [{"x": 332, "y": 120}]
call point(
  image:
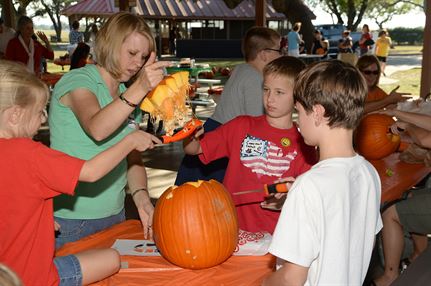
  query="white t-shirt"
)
[{"x": 329, "y": 221}]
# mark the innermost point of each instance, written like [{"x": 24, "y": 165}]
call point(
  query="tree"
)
[
  {"x": 352, "y": 12},
  {"x": 14, "y": 13},
  {"x": 53, "y": 9},
  {"x": 295, "y": 11},
  {"x": 383, "y": 11}
]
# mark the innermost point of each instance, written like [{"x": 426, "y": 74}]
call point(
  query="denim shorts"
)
[
  {"x": 75, "y": 229},
  {"x": 69, "y": 270}
]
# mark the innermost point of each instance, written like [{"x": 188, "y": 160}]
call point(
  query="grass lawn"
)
[
  {"x": 405, "y": 50},
  {"x": 408, "y": 80}
]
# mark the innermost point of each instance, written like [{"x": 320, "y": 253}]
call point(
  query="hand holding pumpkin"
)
[{"x": 152, "y": 73}]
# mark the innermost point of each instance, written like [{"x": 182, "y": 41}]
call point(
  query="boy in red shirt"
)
[{"x": 261, "y": 149}]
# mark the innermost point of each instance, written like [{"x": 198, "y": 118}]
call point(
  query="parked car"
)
[{"x": 333, "y": 32}]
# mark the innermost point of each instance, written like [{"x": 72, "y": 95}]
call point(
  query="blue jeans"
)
[
  {"x": 75, "y": 229},
  {"x": 69, "y": 270}
]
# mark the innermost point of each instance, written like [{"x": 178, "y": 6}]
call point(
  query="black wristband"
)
[
  {"x": 131, "y": 104},
  {"x": 139, "y": 190}
]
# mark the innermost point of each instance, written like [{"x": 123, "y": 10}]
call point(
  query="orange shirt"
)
[{"x": 375, "y": 94}]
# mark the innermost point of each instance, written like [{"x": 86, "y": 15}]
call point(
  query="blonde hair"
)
[
  {"x": 286, "y": 66},
  {"x": 257, "y": 39},
  {"x": 112, "y": 35},
  {"x": 8, "y": 277},
  {"x": 20, "y": 87}
]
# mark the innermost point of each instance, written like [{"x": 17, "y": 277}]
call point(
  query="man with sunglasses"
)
[{"x": 377, "y": 98}]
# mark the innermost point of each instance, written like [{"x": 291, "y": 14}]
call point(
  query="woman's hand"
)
[
  {"x": 143, "y": 140},
  {"x": 395, "y": 97},
  {"x": 152, "y": 73},
  {"x": 42, "y": 36}
]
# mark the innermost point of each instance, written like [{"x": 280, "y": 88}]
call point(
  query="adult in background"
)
[
  {"x": 294, "y": 40},
  {"x": 75, "y": 37},
  {"x": 412, "y": 215},
  {"x": 6, "y": 34},
  {"x": 242, "y": 95},
  {"x": 320, "y": 45},
  {"x": 92, "y": 40},
  {"x": 80, "y": 56},
  {"x": 377, "y": 98},
  {"x": 383, "y": 44},
  {"x": 366, "y": 40},
  {"x": 26, "y": 49},
  {"x": 91, "y": 110}
]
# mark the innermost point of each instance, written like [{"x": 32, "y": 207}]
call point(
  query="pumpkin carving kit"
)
[{"x": 268, "y": 189}]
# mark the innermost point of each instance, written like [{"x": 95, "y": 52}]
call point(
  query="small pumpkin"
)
[
  {"x": 195, "y": 224},
  {"x": 373, "y": 138}
]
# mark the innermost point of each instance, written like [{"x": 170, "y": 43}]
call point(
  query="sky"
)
[{"x": 411, "y": 20}]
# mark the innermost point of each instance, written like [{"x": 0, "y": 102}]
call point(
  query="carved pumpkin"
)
[
  {"x": 195, "y": 224},
  {"x": 167, "y": 101},
  {"x": 373, "y": 138}
]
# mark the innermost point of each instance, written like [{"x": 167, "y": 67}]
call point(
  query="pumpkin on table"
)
[
  {"x": 195, "y": 224},
  {"x": 373, "y": 138}
]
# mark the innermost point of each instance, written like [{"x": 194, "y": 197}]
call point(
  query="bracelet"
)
[
  {"x": 123, "y": 99},
  {"x": 139, "y": 190}
]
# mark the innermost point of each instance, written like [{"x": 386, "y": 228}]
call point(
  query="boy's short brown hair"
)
[
  {"x": 286, "y": 66},
  {"x": 339, "y": 87},
  {"x": 257, "y": 39}
]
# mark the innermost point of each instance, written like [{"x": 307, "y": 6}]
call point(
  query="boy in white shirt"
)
[{"x": 326, "y": 230}]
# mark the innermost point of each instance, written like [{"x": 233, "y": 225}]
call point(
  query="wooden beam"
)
[
  {"x": 8, "y": 14},
  {"x": 426, "y": 53},
  {"x": 124, "y": 5},
  {"x": 260, "y": 13}
]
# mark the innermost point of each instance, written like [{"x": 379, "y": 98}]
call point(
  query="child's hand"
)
[
  {"x": 276, "y": 201},
  {"x": 56, "y": 226},
  {"x": 143, "y": 140}
]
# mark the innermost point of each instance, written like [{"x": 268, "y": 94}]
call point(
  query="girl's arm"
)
[
  {"x": 102, "y": 163},
  {"x": 99, "y": 122}
]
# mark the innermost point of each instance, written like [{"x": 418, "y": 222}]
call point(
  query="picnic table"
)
[
  {"x": 51, "y": 78},
  {"x": 62, "y": 62},
  {"x": 237, "y": 270}
]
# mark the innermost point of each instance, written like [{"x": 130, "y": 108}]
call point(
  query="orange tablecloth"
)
[
  {"x": 51, "y": 78},
  {"x": 237, "y": 270},
  {"x": 404, "y": 176}
]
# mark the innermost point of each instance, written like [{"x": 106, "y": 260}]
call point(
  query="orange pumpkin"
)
[
  {"x": 373, "y": 138},
  {"x": 195, "y": 224}
]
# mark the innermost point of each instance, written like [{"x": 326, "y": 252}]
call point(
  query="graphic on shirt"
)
[{"x": 264, "y": 157}]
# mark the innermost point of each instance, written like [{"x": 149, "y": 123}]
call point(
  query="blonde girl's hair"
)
[
  {"x": 112, "y": 35},
  {"x": 8, "y": 277},
  {"x": 20, "y": 87}
]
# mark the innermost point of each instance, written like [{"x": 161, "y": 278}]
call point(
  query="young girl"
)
[{"x": 32, "y": 174}]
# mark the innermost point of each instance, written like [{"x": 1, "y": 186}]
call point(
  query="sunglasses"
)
[{"x": 376, "y": 72}]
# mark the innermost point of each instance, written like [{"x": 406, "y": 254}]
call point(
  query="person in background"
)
[
  {"x": 92, "y": 40},
  {"x": 327, "y": 227},
  {"x": 294, "y": 40},
  {"x": 6, "y": 34},
  {"x": 413, "y": 214},
  {"x": 242, "y": 95},
  {"x": 90, "y": 110},
  {"x": 80, "y": 56},
  {"x": 383, "y": 44},
  {"x": 377, "y": 98},
  {"x": 33, "y": 174},
  {"x": 261, "y": 149},
  {"x": 25, "y": 49},
  {"x": 320, "y": 44},
  {"x": 366, "y": 40},
  {"x": 345, "y": 43},
  {"x": 75, "y": 37}
]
